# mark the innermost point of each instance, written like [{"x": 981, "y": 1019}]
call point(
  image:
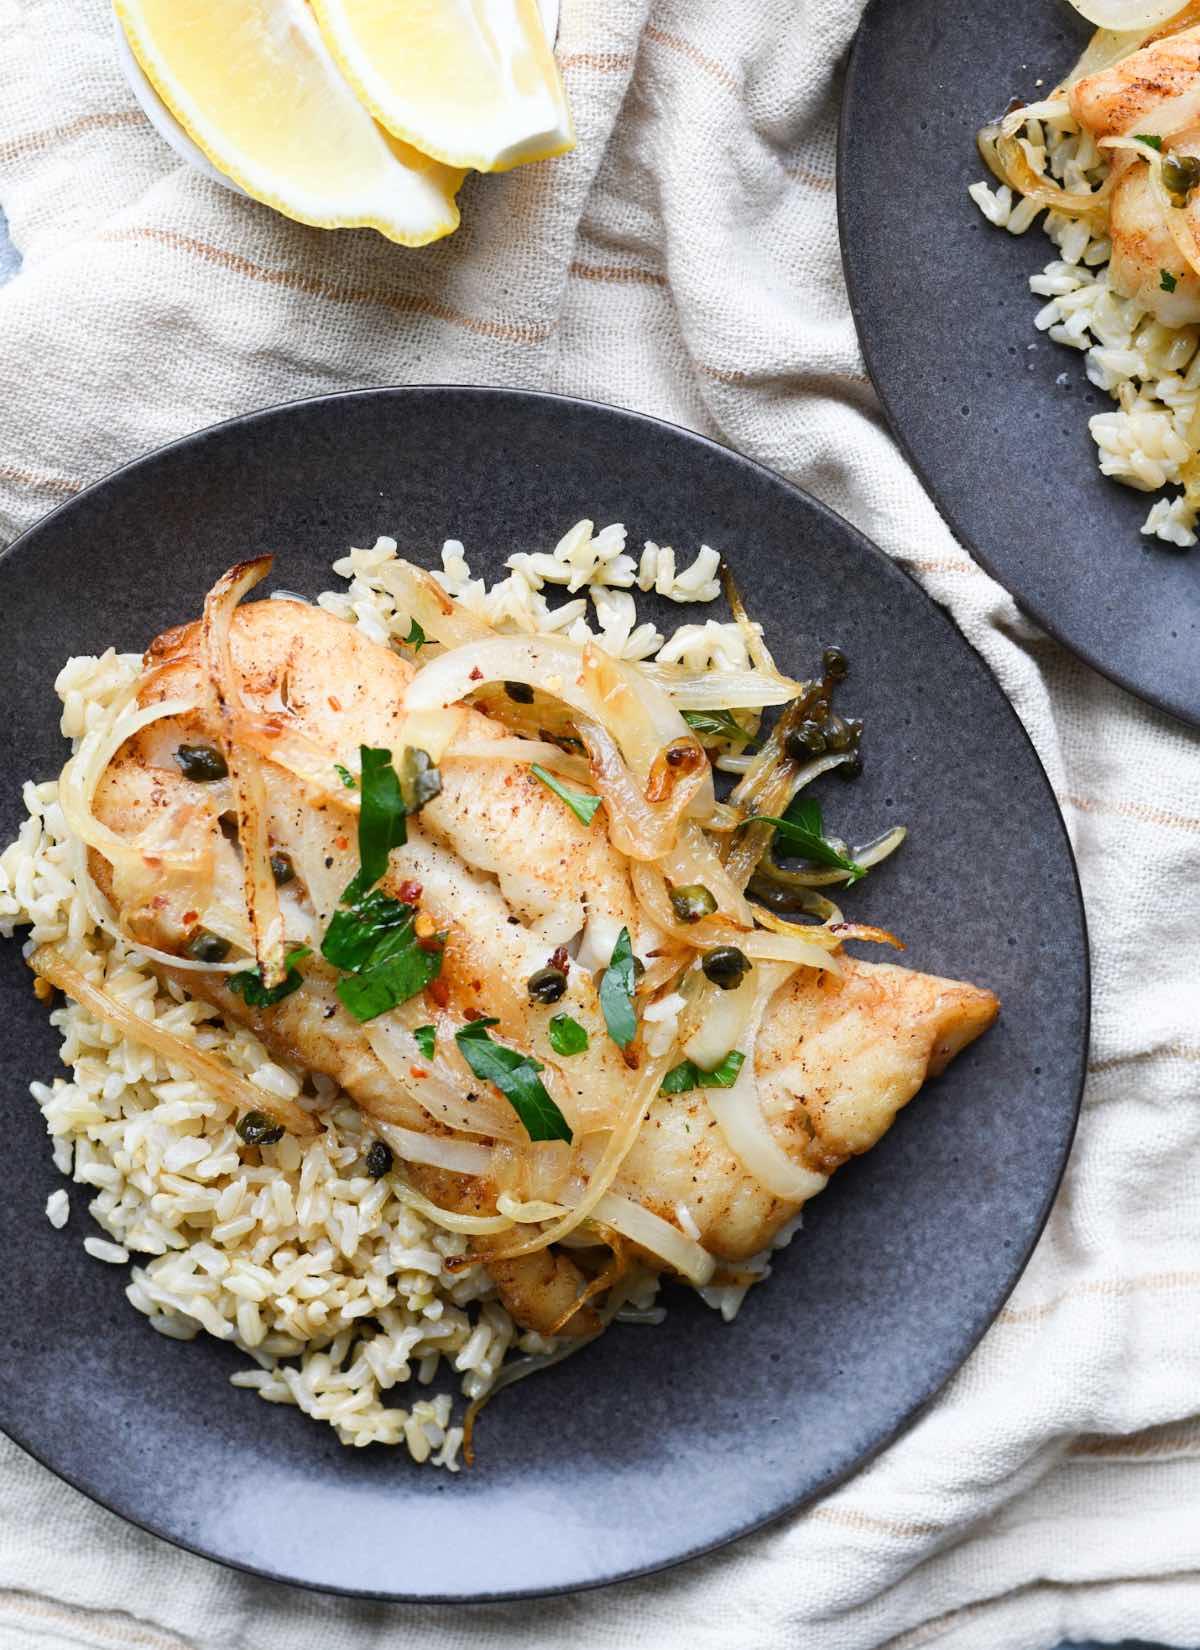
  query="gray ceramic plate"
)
[
  {"x": 992, "y": 414},
  {"x": 656, "y": 1444}
]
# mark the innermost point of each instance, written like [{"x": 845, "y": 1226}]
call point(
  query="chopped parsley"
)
[
  {"x": 1167, "y": 281},
  {"x": 716, "y": 724},
  {"x": 566, "y": 1035},
  {"x": 581, "y": 803},
  {"x": 516, "y": 1076},
  {"x": 425, "y": 1038},
  {"x": 1150, "y": 139},
  {"x": 346, "y": 777},
  {"x": 616, "y": 992},
  {"x": 687, "y": 1075},
  {"x": 801, "y": 831},
  {"x": 416, "y": 637},
  {"x": 248, "y": 985},
  {"x": 374, "y": 942},
  {"x": 381, "y": 821}
]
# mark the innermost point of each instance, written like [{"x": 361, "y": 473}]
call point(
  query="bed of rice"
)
[
  {"x": 1151, "y": 371},
  {"x": 330, "y": 1282}
]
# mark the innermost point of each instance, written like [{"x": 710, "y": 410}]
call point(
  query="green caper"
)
[
  {"x": 548, "y": 985},
  {"x": 852, "y": 768},
  {"x": 837, "y": 734},
  {"x": 420, "y": 780},
  {"x": 258, "y": 1128},
  {"x": 835, "y": 664},
  {"x": 519, "y": 692},
  {"x": 854, "y": 723},
  {"x": 805, "y": 741},
  {"x": 379, "y": 1160},
  {"x": 282, "y": 868},
  {"x": 228, "y": 821},
  {"x": 692, "y": 901},
  {"x": 726, "y": 966},
  {"x": 1180, "y": 175},
  {"x": 204, "y": 947},
  {"x": 201, "y": 763}
]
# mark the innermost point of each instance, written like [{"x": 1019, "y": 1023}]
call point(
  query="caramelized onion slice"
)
[
  {"x": 262, "y": 896},
  {"x": 49, "y": 963}
]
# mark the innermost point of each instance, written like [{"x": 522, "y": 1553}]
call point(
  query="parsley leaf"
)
[
  {"x": 1149, "y": 139},
  {"x": 581, "y": 804},
  {"x": 1167, "y": 281},
  {"x": 566, "y": 1035},
  {"x": 248, "y": 985},
  {"x": 802, "y": 831},
  {"x": 516, "y": 1076},
  {"x": 346, "y": 777},
  {"x": 416, "y": 637},
  {"x": 381, "y": 823},
  {"x": 717, "y": 724},
  {"x": 616, "y": 992},
  {"x": 688, "y": 1075},
  {"x": 425, "y": 1038},
  {"x": 375, "y": 942}
]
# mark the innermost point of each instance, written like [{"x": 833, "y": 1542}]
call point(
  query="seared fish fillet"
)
[
  {"x": 1153, "y": 92},
  {"x": 510, "y": 874}
]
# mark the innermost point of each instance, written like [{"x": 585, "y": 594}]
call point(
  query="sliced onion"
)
[
  {"x": 450, "y": 1219},
  {"x": 715, "y": 1021},
  {"x": 617, "y": 1147},
  {"x": 421, "y": 597},
  {"x": 650, "y": 1232},
  {"x": 1127, "y": 14},
  {"x": 437, "y": 1150},
  {"x": 639, "y": 829},
  {"x": 1007, "y": 160},
  {"x": 770, "y": 791},
  {"x": 721, "y": 689},
  {"x": 211, "y": 1073},
  {"x": 815, "y": 952},
  {"x": 435, "y": 1084},
  {"x": 740, "y": 1116},
  {"x": 262, "y": 895}
]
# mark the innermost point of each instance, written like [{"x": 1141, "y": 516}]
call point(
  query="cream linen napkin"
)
[{"x": 684, "y": 261}]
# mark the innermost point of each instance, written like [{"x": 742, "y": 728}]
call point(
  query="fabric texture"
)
[{"x": 683, "y": 261}]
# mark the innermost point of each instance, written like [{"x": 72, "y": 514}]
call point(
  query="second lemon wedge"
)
[
  {"x": 472, "y": 82},
  {"x": 253, "y": 83}
]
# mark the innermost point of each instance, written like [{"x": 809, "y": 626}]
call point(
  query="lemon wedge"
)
[
  {"x": 254, "y": 86},
  {"x": 471, "y": 82}
]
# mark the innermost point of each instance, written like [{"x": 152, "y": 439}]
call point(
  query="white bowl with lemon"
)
[{"x": 350, "y": 113}]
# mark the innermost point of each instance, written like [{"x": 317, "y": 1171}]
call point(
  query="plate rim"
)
[
  {"x": 1021, "y": 1255},
  {"x": 1189, "y": 717}
]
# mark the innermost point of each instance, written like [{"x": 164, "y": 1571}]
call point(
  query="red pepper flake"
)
[
  {"x": 334, "y": 704},
  {"x": 189, "y": 917},
  {"x": 438, "y": 992},
  {"x": 418, "y": 1072},
  {"x": 476, "y": 675},
  {"x": 341, "y": 842},
  {"x": 410, "y": 892},
  {"x": 475, "y": 1014},
  {"x": 560, "y": 959}
]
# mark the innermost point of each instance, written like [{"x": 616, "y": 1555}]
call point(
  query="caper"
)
[
  {"x": 420, "y": 780},
  {"x": 201, "y": 763},
  {"x": 204, "y": 947},
  {"x": 692, "y": 901},
  {"x": 519, "y": 692},
  {"x": 228, "y": 821},
  {"x": 258, "y": 1128},
  {"x": 837, "y": 734},
  {"x": 282, "y": 868},
  {"x": 852, "y": 768},
  {"x": 726, "y": 966},
  {"x": 1180, "y": 175},
  {"x": 804, "y": 742},
  {"x": 819, "y": 710},
  {"x": 548, "y": 985},
  {"x": 854, "y": 723},
  {"x": 835, "y": 664},
  {"x": 379, "y": 1160}
]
